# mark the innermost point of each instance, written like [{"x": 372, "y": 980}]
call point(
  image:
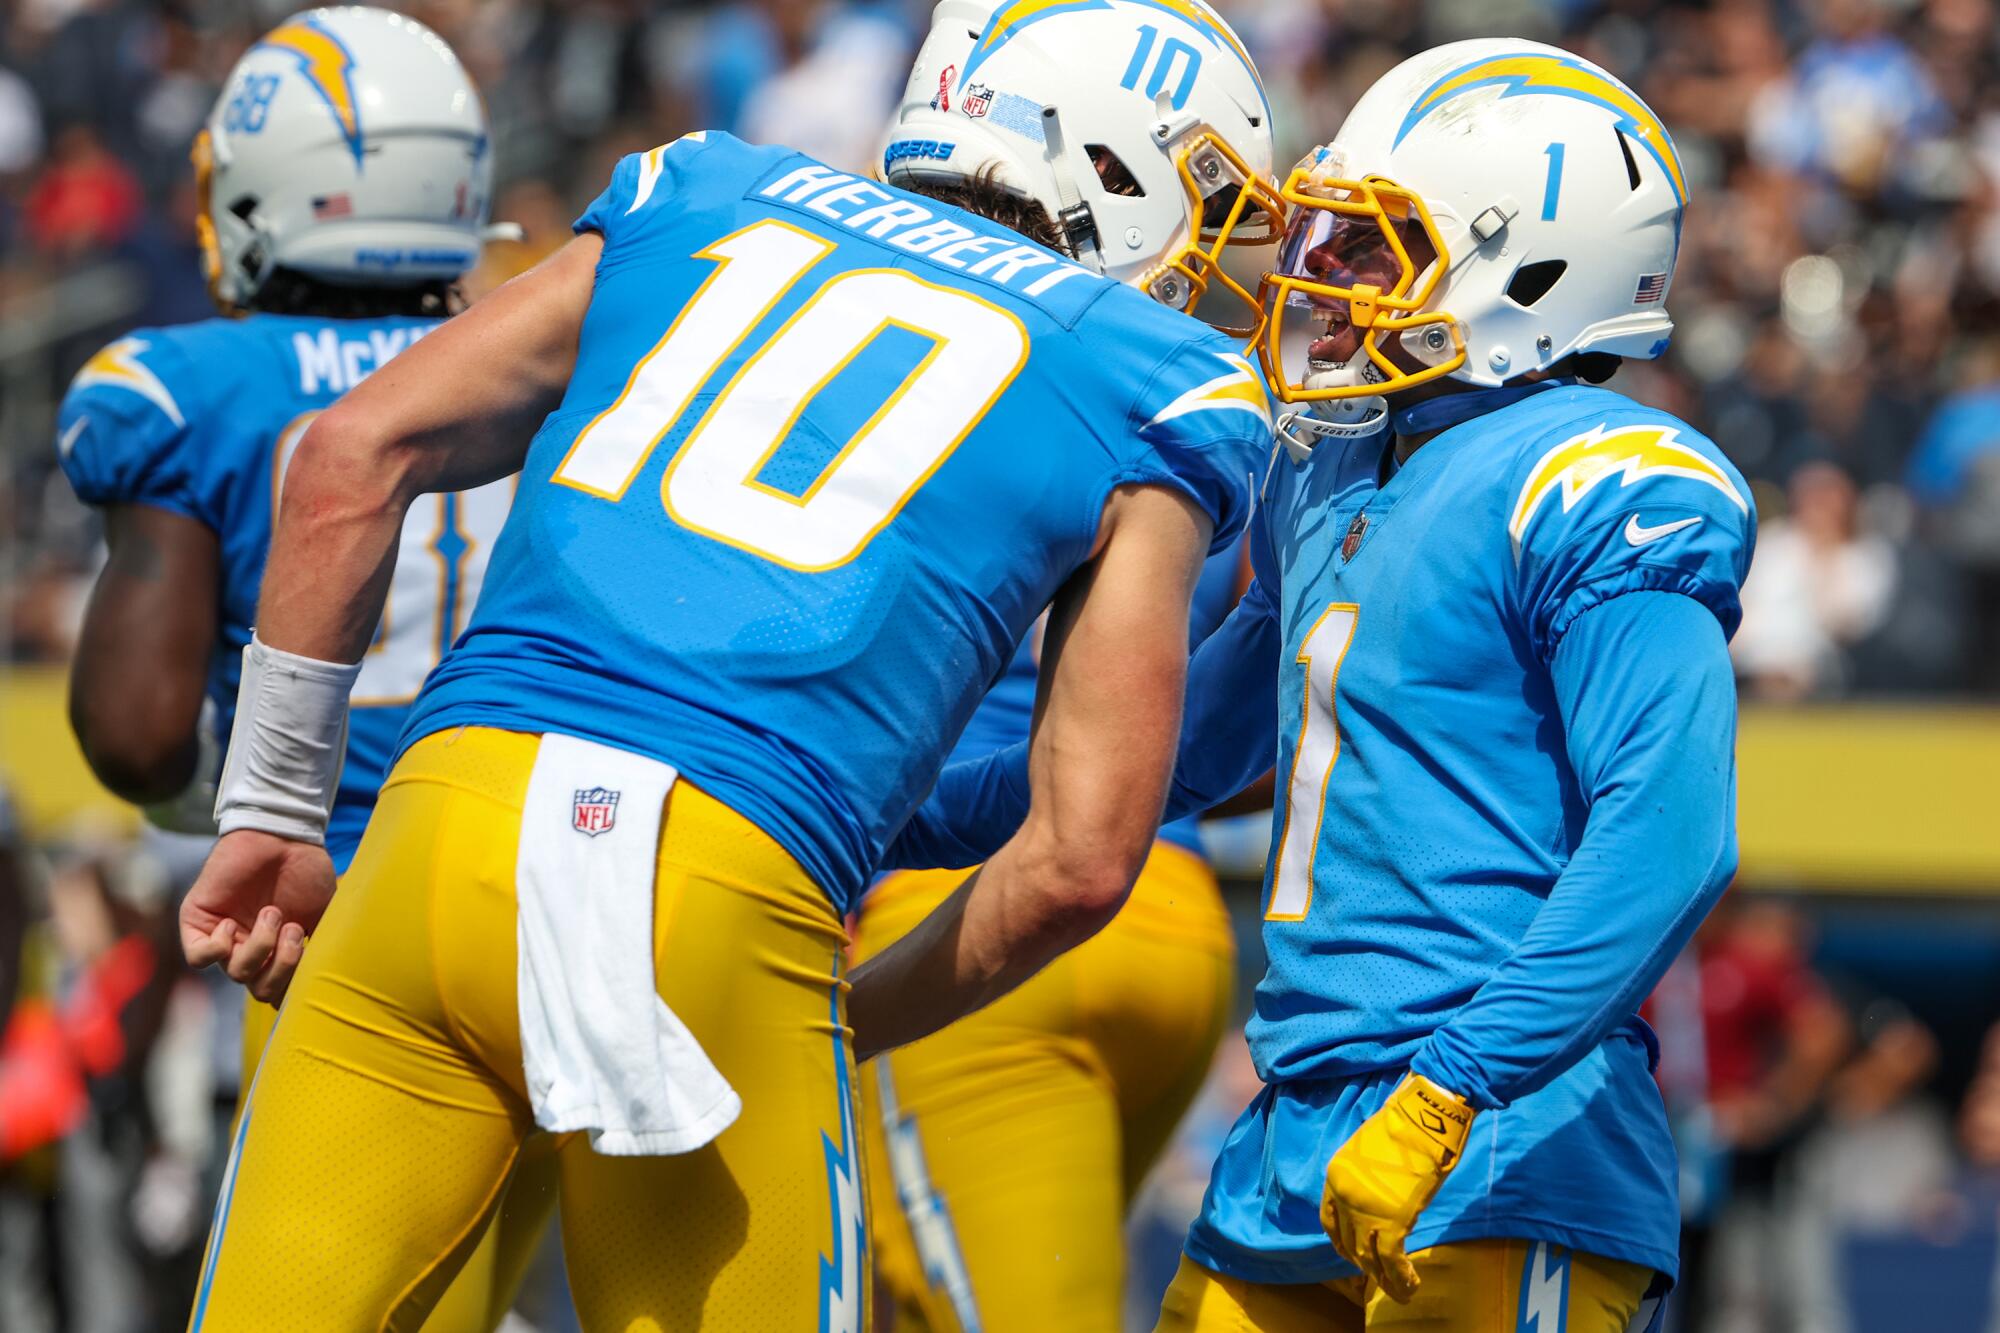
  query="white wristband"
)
[{"x": 286, "y": 744}]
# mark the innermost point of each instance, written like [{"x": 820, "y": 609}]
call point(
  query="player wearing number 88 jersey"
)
[
  {"x": 197, "y": 423},
  {"x": 182, "y": 435},
  {"x": 813, "y": 455},
  {"x": 342, "y": 177}
]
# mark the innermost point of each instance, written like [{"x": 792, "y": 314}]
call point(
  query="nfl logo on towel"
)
[{"x": 594, "y": 811}]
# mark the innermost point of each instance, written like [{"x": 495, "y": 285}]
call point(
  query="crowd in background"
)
[
  {"x": 1838, "y": 290},
  {"x": 1838, "y": 300}
]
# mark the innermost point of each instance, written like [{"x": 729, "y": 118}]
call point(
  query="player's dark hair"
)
[
  {"x": 984, "y": 195},
  {"x": 290, "y": 292}
]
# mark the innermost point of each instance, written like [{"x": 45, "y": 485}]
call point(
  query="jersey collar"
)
[{"x": 1435, "y": 414}]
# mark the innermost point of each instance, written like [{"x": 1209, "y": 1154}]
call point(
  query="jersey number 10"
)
[{"x": 712, "y": 486}]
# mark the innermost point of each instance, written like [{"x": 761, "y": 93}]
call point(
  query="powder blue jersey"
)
[
  {"x": 1432, "y": 898},
  {"x": 201, "y": 420},
  {"x": 1433, "y": 801},
  {"x": 1503, "y": 725},
  {"x": 828, "y": 450}
]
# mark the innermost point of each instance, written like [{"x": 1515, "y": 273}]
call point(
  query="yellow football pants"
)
[
  {"x": 1482, "y": 1286},
  {"x": 1003, "y": 1151},
  {"x": 484, "y": 1290},
  {"x": 388, "y": 1112}
]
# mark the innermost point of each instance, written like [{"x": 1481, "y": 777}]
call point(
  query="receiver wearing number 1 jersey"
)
[{"x": 1451, "y": 726}]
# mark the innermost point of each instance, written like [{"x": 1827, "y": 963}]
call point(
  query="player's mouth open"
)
[{"x": 1336, "y": 344}]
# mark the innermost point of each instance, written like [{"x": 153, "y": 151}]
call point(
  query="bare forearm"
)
[
  {"x": 141, "y": 664},
  {"x": 990, "y": 936},
  {"x": 456, "y": 410},
  {"x": 329, "y": 570},
  {"x": 1113, "y": 667}
]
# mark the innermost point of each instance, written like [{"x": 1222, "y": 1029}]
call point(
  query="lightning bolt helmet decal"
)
[
  {"x": 1010, "y": 18},
  {"x": 328, "y": 66},
  {"x": 1556, "y": 76}
]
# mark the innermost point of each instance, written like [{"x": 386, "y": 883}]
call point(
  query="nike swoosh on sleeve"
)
[
  {"x": 1638, "y": 534},
  {"x": 67, "y": 440}
]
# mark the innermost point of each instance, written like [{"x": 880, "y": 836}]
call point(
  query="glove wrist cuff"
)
[{"x": 1441, "y": 1116}]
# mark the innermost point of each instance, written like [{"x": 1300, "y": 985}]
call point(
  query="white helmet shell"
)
[
  {"x": 1555, "y": 194},
  {"x": 348, "y": 144},
  {"x": 1027, "y": 90}
]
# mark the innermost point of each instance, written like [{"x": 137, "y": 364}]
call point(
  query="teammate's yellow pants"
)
[
  {"x": 1482, "y": 1286},
  {"x": 484, "y": 1290},
  {"x": 389, "y": 1111},
  {"x": 1003, "y": 1151}
]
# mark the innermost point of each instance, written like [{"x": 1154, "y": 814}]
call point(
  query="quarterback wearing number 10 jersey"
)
[
  {"x": 827, "y": 451},
  {"x": 787, "y": 546}
]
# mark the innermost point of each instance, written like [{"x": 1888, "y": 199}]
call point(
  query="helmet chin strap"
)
[
  {"x": 1336, "y": 418},
  {"x": 1350, "y": 419},
  {"x": 1353, "y": 418},
  {"x": 1079, "y": 225}
]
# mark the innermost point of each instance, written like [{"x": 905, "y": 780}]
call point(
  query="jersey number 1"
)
[
  {"x": 1313, "y": 758},
  {"x": 713, "y": 485}
]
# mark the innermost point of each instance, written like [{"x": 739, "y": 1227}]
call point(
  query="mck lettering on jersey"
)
[{"x": 332, "y": 363}]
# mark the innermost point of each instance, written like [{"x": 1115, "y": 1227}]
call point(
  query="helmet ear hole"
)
[
  {"x": 1631, "y": 163},
  {"x": 244, "y": 206},
  {"x": 1113, "y": 174},
  {"x": 1531, "y": 282}
]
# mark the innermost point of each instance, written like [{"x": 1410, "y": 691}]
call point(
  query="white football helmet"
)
[
  {"x": 1494, "y": 206},
  {"x": 1039, "y": 95},
  {"x": 349, "y": 145}
]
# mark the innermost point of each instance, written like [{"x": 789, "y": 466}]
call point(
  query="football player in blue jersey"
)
[
  {"x": 1495, "y": 601},
  {"x": 344, "y": 175},
  {"x": 322, "y": 271},
  {"x": 803, "y": 459}
]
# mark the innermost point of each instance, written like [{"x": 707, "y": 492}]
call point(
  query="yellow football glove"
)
[{"x": 1382, "y": 1177}]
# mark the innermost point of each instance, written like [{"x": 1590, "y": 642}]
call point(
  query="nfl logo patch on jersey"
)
[
  {"x": 1355, "y": 532},
  {"x": 594, "y": 811}
]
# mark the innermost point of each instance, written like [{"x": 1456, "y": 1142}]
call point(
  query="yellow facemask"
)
[
  {"x": 1236, "y": 206},
  {"x": 203, "y": 157},
  {"x": 1358, "y": 254}
]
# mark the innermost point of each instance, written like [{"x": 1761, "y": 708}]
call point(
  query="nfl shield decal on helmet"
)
[{"x": 594, "y": 811}]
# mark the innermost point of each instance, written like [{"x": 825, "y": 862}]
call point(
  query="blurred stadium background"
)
[{"x": 1833, "y": 1055}]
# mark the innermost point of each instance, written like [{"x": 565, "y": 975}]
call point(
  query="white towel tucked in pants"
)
[{"x": 601, "y": 1050}]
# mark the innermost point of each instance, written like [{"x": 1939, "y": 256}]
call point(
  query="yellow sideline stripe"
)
[
  {"x": 1870, "y": 798},
  {"x": 1850, "y": 798},
  {"x": 40, "y": 762}
]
